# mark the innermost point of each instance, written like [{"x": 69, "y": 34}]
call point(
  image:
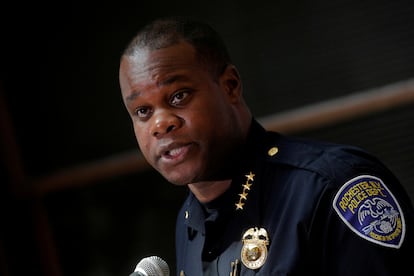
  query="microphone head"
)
[{"x": 153, "y": 266}]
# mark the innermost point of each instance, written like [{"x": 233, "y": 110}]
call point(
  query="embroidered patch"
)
[{"x": 369, "y": 209}]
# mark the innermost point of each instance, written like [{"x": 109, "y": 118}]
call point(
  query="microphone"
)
[{"x": 151, "y": 266}]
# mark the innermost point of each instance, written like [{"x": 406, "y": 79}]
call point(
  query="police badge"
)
[{"x": 254, "y": 250}]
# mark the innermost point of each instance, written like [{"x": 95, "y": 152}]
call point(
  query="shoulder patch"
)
[{"x": 370, "y": 210}]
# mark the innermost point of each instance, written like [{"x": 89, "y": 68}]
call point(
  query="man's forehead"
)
[
  {"x": 181, "y": 50},
  {"x": 168, "y": 60}
]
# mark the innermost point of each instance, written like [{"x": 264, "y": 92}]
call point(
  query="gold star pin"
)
[
  {"x": 243, "y": 195},
  {"x": 250, "y": 176},
  {"x": 245, "y": 192},
  {"x": 239, "y": 205},
  {"x": 247, "y": 185}
]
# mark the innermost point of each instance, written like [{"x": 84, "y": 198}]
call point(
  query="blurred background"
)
[{"x": 76, "y": 196}]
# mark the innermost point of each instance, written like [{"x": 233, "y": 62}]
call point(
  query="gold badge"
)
[{"x": 254, "y": 250}]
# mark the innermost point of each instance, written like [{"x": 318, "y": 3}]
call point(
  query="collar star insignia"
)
[
  {"x": 243, "y": 196},
  {"x": 245, "y": 192},
  {"x": 239, "y": 205},
  {"x": 250, "y": 176},
  {"x": 247, "y": 186}
]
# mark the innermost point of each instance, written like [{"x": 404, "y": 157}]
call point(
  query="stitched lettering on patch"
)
[{"x": 370, "y": 210}]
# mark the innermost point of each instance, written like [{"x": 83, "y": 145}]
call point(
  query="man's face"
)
[{"x": 185, "y": 120}]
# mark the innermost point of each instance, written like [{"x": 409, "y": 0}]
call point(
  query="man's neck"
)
[{"x": 209, "y": 190}]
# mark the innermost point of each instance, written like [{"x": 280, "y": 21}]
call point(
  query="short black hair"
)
[{"x": 210, "y": 48}]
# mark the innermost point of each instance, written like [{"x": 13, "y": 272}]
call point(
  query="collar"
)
[{"x": 236, "y": 200}]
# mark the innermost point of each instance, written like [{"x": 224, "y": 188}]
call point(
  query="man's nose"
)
[{"x": 165, "y": 122}]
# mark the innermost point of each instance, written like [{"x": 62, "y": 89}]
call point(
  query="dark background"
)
[{"x": 59, "y": 84}]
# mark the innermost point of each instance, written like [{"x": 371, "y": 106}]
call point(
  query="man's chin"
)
[{"x": 178, "y": 179}]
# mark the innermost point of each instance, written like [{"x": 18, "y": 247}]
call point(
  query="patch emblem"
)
[{"x": 369, "y": 209}]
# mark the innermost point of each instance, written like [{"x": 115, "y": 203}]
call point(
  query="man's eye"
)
[
  {"x": 179, "y": 97},
  {"x": 142, "y": 112}
]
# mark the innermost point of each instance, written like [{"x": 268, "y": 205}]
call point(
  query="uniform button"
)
[
  {"x": 186, "y": 214},
  {"x": 272, "y": 151}
]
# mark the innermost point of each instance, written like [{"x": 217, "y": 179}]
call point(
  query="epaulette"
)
[{"x": 313, "y": 155}]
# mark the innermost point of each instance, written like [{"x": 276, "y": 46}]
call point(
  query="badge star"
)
[
  {"x": 250, "y": 176},
  {"x": 247, "y": 186},
  {"x": 239, "y": 205},
  {"x": 243, "y": 195}
]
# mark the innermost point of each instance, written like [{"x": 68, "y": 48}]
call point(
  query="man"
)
[{"x": 259, "y": 203}]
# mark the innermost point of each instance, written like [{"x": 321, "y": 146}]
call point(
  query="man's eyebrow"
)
[
  {"x": 167, "y": 81},
  {"x": 132, "y": 96},
  {"x": 171, "y": 79}
]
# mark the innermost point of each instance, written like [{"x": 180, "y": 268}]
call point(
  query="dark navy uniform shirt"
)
[{"x": 299, "y": 207}]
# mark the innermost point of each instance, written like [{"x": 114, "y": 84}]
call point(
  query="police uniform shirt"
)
[{"x": 299, "y": 207}]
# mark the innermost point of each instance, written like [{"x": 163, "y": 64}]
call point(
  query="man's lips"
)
[{"x": 174, "y": 151}]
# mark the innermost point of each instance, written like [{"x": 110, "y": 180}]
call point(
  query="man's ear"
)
[{"x": 231, "y": 82}]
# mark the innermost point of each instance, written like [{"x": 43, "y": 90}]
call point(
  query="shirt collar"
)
[{"x": 225, "y": 205}]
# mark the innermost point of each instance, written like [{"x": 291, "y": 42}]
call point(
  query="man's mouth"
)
[{"x": 174, "y": 153}]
